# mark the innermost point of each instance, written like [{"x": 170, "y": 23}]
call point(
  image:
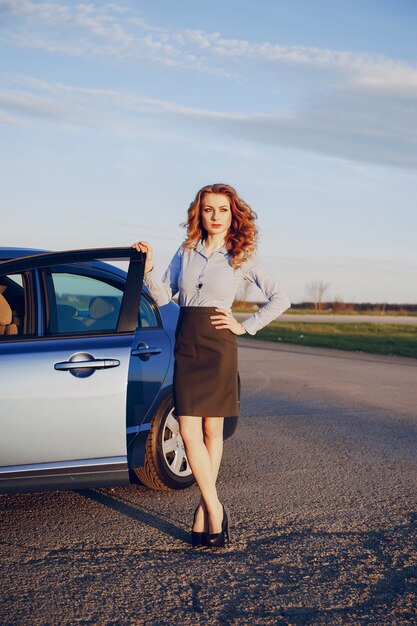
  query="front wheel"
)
[{"x": 166, "y": 465}]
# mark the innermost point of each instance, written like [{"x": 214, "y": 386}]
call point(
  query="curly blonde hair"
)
[{"x": 241, "y": 239}]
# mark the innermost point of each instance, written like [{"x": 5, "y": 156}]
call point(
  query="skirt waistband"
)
[{"x": 198, "y": 309}]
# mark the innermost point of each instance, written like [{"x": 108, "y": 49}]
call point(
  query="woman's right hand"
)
[{"x": 144, "y": 246}]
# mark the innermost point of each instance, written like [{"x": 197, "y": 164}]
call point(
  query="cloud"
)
[
  {"x": 385, "y": 137},
  {"x": 98, "y": 31},
  {"x": 348, "y": 105},
  {"x": 10, "y": 120},
  {"x": 109, "y": 30}
]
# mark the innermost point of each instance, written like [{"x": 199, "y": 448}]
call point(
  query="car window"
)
[
  {"x": 77, "y": 303},
  {"x": 80, "y": 303},
  {"x": 147, "y": 317},
  {"x": 13, "y": 306}
]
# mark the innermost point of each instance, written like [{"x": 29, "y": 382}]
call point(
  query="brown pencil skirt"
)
[{"x": 205, "y": 367}]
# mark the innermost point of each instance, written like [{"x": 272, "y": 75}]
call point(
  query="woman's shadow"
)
[{"x": 136, "y": 514}]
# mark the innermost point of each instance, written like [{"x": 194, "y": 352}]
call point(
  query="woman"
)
[{"x": 207, "y": 270}]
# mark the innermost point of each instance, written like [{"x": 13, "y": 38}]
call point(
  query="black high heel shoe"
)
[
  {"x": 218, "y": 539},
  {"x": 198, "y": 538}
]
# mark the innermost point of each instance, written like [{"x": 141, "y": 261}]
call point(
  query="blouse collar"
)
[{"x": 200, "y": 247}]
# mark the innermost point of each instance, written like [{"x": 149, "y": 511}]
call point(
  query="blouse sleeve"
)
[
  {"x": 278, "y": 300},
  {"x": 162, "y": 290}
]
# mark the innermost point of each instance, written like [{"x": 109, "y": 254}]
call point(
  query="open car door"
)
[{"x": 64, "y": 375}]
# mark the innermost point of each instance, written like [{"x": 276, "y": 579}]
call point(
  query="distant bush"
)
[{"x": 338, "y": 306}]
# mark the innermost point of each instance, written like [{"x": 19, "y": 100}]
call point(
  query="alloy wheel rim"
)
[{"x": 173, "y": 447}]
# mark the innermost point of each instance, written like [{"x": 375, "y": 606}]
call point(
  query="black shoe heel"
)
[
  {"x": 227, "y": 527},
  {"x": 218, "y": 539}
]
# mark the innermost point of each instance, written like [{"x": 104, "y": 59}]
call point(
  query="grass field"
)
[
  {"x": 291, "y": 311},
  {"x": 392, "y": 339},
  {"x": 401, "y": 312}
]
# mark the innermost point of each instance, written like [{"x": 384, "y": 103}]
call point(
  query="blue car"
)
[{"x": 86, "y": 367}]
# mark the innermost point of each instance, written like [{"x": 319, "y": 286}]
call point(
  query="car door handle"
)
[
  {"x": 144, "y": 352},
  {"x": 92, "y": 364}
]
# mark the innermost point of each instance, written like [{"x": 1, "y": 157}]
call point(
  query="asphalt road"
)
[{"x": 320, "y": 482}]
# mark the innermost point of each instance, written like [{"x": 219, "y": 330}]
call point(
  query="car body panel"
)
[
  {"x": 146, "y": 377},
  {"x": 83, "y": 417},
  {"x": 52, "y": 415},
  {"x": 106, "y": 472}
]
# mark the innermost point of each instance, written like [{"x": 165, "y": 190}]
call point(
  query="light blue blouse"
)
[{"x": 210, "y": 280}]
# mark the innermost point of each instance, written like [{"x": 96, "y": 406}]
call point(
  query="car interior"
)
[
  {"x": 12, "y": 305},
  {"x": 101, "y": 314}
]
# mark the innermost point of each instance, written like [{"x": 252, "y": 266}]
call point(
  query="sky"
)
[{"x": 114, "y": 114}]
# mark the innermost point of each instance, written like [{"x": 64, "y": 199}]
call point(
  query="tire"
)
[{"x": 166, "y": 466}]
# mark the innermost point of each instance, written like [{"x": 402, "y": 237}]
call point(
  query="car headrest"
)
[
  {"x": 103, "y": 305},
  {"x": 6, "y": 315}
]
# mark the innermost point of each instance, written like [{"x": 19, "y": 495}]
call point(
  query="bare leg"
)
[
  {"x": 201, "y": 465},
  {"x": 213, "y": 439}
]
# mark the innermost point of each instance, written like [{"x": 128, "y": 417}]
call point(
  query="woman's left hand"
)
[{"x": 226, "y": 320}]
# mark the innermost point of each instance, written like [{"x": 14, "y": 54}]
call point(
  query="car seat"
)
[
  {"x": 103, "y": 313},
  {"x": 66, "y": 320},
  {"x": 7, "y": 327}
]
